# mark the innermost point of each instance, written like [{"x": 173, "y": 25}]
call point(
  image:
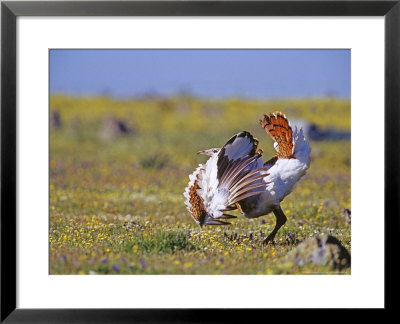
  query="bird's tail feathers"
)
[{"x": 278, "y": 127}]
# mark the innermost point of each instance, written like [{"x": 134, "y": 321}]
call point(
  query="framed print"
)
[{"x": 163, "y": 158}]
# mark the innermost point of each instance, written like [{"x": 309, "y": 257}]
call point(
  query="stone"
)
[
  {"x": 55, "y": 119},
  {"x": 347, "y": 215},
  {"x": 321, "y": 250},
  {"x": 112, "y": 128}
]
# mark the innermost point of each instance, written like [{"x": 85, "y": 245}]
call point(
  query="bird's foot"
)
[{"x": 269, "y": 240}]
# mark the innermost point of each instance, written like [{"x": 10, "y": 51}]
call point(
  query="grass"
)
[{"x": 117, "y": 205}]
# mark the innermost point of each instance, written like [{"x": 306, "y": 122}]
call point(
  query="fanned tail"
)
[{"x": 278, "y": 127}]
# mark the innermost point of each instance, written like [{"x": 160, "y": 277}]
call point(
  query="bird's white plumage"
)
[
  {"x": 214, "y": 198},
  {"x": 282, "y": 177}
]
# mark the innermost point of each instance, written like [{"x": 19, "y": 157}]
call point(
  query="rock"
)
[
  {"x": 112, "y": 128},
  {"x": 347, "y": 215},
  {"x": 316, "y": 133},
  {"x": 55, "y": 119},
  {"x": 213, "y": 111},
  {"x": 321, "y": 250}
]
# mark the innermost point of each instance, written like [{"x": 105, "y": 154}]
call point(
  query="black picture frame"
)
[{"x": 10, "y": 10}]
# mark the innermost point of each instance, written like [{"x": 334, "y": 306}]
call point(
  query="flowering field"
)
[{"x": 118, "y": 169}]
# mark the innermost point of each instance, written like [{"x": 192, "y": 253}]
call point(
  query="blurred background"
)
[
  {"x": 254, "y": 74},
  {"x": 159, "y": 107},
  {"x": 125, "y": 126}
]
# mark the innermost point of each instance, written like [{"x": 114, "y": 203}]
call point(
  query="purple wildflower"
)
[
  {"x": 143, "y": 263},
  {"x": 105, "y": 260},
  {"x": 64, "y": 257},
  {"x": 221, "y": 260},
  {"x": 188, "y": 235},
  {"x": 116, "y": 268}
]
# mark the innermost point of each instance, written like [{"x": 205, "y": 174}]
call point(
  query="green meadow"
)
[{"x": 116, "y": 197}]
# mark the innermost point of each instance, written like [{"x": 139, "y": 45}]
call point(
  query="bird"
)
[{"x": 235, "y": 177}]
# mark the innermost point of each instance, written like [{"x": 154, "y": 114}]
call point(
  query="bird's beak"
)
[
  {"x": 205, "y": 152},
  {"x": 208, "y": 220},
  {"x": 213, "y": 221},
  {"x": 208, "y": 152}
]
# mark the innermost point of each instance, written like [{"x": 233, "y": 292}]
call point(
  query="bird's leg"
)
[{"x": 280, "y": 221}]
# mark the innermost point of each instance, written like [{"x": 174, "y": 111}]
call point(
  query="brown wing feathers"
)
[{"x": 277, "y": 126}]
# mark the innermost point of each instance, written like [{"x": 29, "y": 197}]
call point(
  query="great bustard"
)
[{"x": 235, "y": 177}]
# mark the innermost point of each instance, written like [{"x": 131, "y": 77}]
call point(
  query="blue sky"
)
[{"x": 258, "y": 74}]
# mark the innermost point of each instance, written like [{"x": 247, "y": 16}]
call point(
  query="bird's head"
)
[
  {"x": 209, "y": 152},
  {"x": 206, "y": 219}
]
